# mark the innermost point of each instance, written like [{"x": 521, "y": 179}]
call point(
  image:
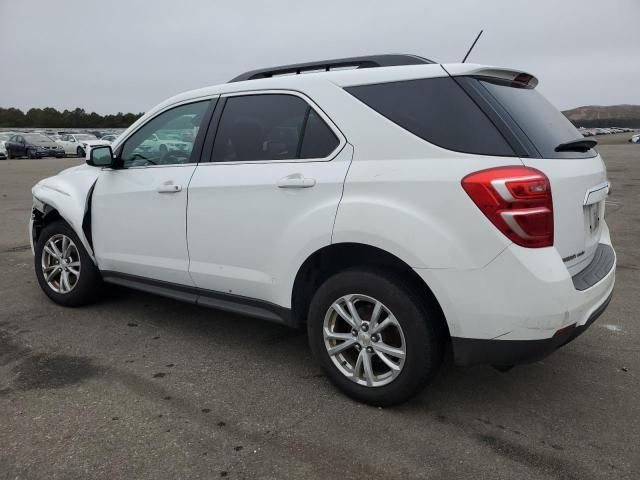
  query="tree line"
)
[{"x": 51, "y": 118}]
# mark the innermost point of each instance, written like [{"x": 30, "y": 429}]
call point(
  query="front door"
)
[{"x": 139, "y": 210}]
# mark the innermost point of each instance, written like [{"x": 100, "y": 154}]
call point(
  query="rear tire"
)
[
  {"x": 412, "y": 331},
  {"x": 80, "y": 288}
]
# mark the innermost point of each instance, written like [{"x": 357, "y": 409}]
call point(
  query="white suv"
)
[{"x": 394, "y": 206}]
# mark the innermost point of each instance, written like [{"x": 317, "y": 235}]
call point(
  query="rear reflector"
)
[{"x": 517, "y": 200}]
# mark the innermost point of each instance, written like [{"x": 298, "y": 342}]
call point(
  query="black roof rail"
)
[{"x": 370, "y": 61}]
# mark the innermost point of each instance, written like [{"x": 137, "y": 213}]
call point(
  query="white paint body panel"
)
[
  {"x": 67, "y": 193},
  {"x": 136, "y": 229},
  {"x": 249, "y": 237}
]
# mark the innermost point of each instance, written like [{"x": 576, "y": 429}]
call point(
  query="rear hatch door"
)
[{"x": 548, "y": 142}]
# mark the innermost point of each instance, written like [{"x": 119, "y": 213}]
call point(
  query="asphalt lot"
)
[{"x": 145, "y": 387}]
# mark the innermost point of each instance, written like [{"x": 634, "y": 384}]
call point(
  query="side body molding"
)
[{"x": 68, "y": 193}]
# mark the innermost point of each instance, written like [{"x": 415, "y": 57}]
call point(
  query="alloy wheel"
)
[
  {"x": 364, "y": 340},
  {"x": 61, "y": 263}
]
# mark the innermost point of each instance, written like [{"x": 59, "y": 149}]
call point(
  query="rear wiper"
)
[{"x": 578, "y": 145}]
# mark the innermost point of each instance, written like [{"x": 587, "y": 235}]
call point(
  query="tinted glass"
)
[
  {"x": 166, "y": 139},
  {"x": 36, "y": 137},
  {"x": 318, "y": 140},
  {"x": 260, "y": 127},
  {"x": 545, "y": 126},
  {"x": 438, "y": 111}
]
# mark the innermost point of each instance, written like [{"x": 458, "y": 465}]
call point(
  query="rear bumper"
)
[
  {"x": 511, "y": 310},
  {"x": 473, "y": 351}
]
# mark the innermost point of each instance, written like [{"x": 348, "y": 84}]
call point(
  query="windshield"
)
[
  {"x": 36, "y": 137},
  {"x": 540, "y": 121},
  {"x": 85, "y": 137}
]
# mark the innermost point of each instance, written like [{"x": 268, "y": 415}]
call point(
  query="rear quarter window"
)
[{"x": 437, "y": 110}]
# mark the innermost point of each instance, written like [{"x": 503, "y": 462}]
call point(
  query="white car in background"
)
[
  {"x": 163, "y": 143},
  {"x": 76, "y": 143},
  {"x": 109, "y": 138},
  {"x": 4, "y": 136},
  {"x": 635, "y": 139}
]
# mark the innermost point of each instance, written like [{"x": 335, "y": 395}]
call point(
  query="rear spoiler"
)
[{"x": 519, "y": 78}]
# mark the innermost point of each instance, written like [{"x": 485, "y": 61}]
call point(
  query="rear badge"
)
[{"x": 571, "y": 257}]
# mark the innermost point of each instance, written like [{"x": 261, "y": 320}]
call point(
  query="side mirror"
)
[{"x": 100, "y": 156}]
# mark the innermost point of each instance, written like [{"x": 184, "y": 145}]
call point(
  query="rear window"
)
[
  {"x": 271, "y": 127},
  {"x": 540, "y": 121},
  {"x": 437, "y": 110}
]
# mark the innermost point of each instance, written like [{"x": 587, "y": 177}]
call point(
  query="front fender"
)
[{"x": 68, "y": 194}]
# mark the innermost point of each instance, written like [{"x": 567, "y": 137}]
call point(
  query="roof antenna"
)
[{"x": 472, "y": 45}]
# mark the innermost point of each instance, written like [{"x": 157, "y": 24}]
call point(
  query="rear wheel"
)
[
  {"x": 63, "y": 267},
  {"x": 373, "y": 336}
]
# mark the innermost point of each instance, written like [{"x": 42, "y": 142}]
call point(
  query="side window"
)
[
  {"x": 268, "y": 127},
  {"x": 318, "y": 140},
  {"x": 437, "y": 110},
  {"x": 166, "y": 139}
]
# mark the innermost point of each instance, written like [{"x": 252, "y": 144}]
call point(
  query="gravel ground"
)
[{"x": 138, "y": 386}]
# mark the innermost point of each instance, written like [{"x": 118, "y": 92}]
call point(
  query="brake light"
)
[{"x": 517, "y": 200}]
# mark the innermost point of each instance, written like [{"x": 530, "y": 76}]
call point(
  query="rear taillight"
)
[{"x": 517, "y": 200}]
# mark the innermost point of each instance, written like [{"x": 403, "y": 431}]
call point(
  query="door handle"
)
[
  {"x": 169, "y": 188},
  {"x": 296, "y": 180}
]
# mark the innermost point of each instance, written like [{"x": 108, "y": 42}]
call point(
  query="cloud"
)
[{"x": 127, "y": 56}]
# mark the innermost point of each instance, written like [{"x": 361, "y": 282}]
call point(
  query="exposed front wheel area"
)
[
  {"x": 375, "y": 337},
  {"x": 61, "y": 263},
  {"x": 64, "y": 269}
]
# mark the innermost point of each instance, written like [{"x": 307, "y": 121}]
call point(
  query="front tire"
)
[
  {"x": 30, "y": 154},
  {"x": 80, "y": 152},
  {"x": 374, "y": 337},
  {"x": 65, "y": 272}
]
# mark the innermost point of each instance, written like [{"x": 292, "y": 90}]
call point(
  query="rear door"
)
[
  {"x": 577, "y": 174},
  {"x": 268, "y": 196}
]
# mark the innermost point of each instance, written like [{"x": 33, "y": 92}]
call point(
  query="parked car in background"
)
[
  {"x": 72, "y": 143},
  {"x": 349, "y": 202},
  {"x": 87, "y": 145},
  {"x": 164, "y": 143},
  {"x": 33, "y": 145},
  {"x": 109, "y": 138},
  {"x": 635, "y": 139},
  {"x": 4, "y": 136}
]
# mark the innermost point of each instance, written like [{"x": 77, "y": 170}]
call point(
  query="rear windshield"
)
[
  {"x": 540, "y": 121},
  {"x": 437, "y": 110}
]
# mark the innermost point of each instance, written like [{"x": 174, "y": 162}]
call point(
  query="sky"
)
[{"x": 128, "y": 55}]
